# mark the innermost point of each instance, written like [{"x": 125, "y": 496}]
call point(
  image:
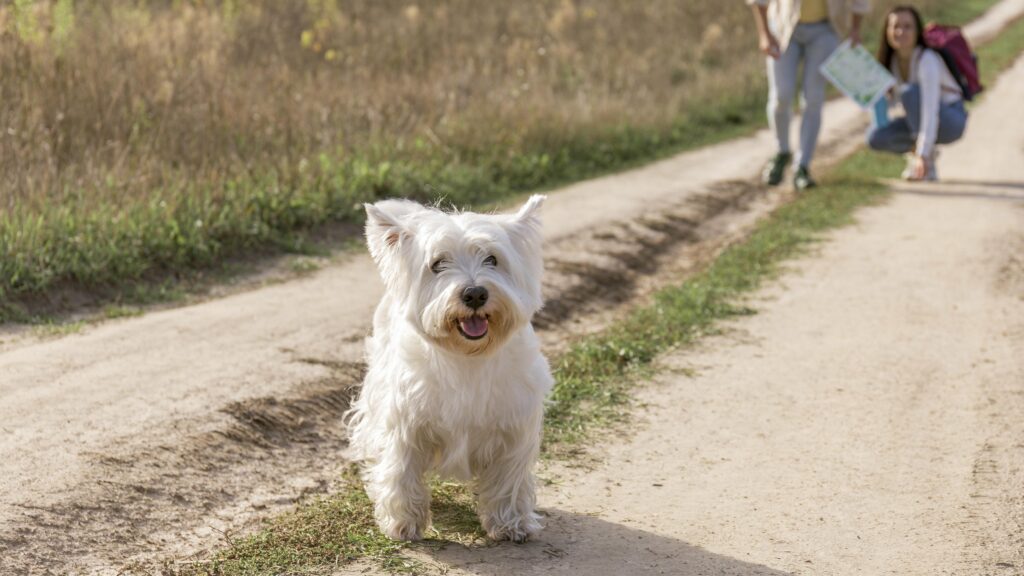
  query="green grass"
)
[
  {"x": 59, "y": 329},
  {"x": 961, "y": 11},
  {"x": 596, "y": 376},
  {"x": 304, "y": 266},
  {"x": 999, "y": 54},
  {"x": 113, "y": 311},
  {"x": 330, "y": 531},
  {"x": 323, "y": 533}
]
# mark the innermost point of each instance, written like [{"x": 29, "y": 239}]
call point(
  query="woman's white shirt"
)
[{"x": 936, "y": 85}]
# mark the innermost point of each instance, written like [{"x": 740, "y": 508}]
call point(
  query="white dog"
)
[{"x": 456, "y": 379}]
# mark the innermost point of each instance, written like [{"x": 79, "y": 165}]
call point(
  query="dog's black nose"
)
[{"x": 474, "y": 296}]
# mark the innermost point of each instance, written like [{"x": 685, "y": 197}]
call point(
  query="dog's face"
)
[{"x": 464, "y": 281}]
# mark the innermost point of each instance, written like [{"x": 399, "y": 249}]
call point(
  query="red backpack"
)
[{"x": 957, "y": 54}]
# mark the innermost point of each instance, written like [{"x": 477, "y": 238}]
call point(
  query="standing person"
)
[
  {"x": 791, "y": 32},
  {"x": 932, "y": 99}
]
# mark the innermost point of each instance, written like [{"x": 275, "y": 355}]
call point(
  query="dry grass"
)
[
  {"x": 142, "y": 137},
  {"x": 130, "y": 99}
]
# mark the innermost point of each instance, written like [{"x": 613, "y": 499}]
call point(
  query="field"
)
[{"x": 144, "y": 140}]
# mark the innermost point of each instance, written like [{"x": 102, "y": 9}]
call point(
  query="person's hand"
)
[
  {"x": 855, "y": 38},
  {"x": 920, "y": 170},
  {"x": 769, "y": 46}
]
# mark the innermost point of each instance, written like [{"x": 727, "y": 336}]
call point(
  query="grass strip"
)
[
  {"x": 328, "y": 532},
  {"x": 1000, "y": 54},
  {"x": 594, "y": 378}
]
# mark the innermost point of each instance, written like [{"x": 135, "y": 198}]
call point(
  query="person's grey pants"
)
[
  {"x": 900, "y": 134},
  {"x": 812, "y": 44}
]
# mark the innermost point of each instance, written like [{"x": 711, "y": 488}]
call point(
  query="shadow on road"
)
[
  {"x": 991, "y": 190},
  {"x": 576, "y": 544}
]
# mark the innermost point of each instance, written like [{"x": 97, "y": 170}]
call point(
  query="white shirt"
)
[
  {"x": 784, "y": 15},
  {"x": 937, "y": 86}
]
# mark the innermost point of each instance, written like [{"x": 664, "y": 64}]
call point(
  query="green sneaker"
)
[
  {"x": 802, "y": 180},
  {"x": 776, "y": 168}
]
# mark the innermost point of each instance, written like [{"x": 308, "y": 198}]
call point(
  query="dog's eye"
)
[
  {"x": 438, "y": 265},
  {"x": 491, "y": 261}
]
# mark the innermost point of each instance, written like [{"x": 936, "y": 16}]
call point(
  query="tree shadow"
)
[{"x": 577, "y": 544}]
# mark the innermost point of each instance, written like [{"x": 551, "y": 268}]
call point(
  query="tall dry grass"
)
[
  {"x": 139, "y": 135},
  {"x": 136, "y": 97}
]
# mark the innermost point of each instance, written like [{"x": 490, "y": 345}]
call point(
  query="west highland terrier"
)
[{"x": 456, "y": 379}]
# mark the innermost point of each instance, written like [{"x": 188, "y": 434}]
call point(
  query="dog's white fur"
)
[{"x": 436, "y": 400}]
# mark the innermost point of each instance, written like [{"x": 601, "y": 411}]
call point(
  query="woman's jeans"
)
[
  {"x": 812, "y": 43},
  {"x": 900, "y": 134}
]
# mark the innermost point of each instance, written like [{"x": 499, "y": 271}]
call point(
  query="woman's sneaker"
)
[
  {"x": 931, "y": 173},
  {"x": 776, "y": 168},
  {"x": 802, "y": 180}
]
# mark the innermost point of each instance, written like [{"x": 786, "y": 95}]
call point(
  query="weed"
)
[
  {"x": 116, "y": 311},
  {"x": 59, "y": 329},
  {"x": 304, "y": 265}
]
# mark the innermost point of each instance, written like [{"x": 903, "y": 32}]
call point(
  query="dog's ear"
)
[
  {"x": 524, "y": 228},
  {"x": 525, "y": 235},
  {"x": 385, "y": 231},
  {"x": 529, "y": 215}
]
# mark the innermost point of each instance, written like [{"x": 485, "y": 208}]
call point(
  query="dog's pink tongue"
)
[{"x": 474, "y": 326}]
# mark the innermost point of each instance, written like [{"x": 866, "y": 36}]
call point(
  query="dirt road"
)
[{"x": 147, "y": 437}]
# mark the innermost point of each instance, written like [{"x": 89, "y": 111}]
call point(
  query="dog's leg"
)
[
  {"x": 401, "y": 496},
  {"x": 508, "y": 495}
]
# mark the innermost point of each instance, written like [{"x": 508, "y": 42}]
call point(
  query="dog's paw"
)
[
  {"x": 401, "y": 514},
  {"x": 516, "y": 535},
  {"x": 518, "y": 531},
  {"x": 409, "y": 531}
]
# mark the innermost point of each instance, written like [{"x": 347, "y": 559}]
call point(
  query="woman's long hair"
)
[{"x": 885, "y": 51}]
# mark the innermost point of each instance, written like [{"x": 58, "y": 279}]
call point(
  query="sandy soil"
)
[{"x": 864, "y": 423}]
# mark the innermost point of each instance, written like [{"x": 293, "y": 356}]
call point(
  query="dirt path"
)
[
  {"x": 870, "y": 420},
  {"x": 150, "y": 436}
]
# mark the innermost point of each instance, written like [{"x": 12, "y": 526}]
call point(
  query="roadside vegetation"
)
[
  {"x": 142, "y": 141},
  {"x": 595, "y": 377}
]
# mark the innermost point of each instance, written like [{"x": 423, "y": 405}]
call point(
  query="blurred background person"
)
[
  {"x": 933, "y": 101},
  {"x": 792, "y": 32}
]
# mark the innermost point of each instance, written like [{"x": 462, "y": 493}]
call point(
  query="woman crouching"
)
[{"x": 932, "y": 100}]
